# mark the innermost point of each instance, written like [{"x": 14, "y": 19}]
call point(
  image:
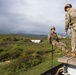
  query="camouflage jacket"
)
[
  {"x": 70, "y": 18},
  {"x": 54, "y": 36}
]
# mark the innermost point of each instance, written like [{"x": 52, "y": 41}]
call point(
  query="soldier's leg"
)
[
  {"x": 63, "y": 46},
  {"x": 54, "y": 42},
  {"x": 73, "y": 40}
]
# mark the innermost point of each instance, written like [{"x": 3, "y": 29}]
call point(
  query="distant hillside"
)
[
  {"x": 36, "y": 35},
  {"x": 40, "y": 35}
]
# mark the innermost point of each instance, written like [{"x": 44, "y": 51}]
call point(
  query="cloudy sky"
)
[{"x": 32, "y": 16}]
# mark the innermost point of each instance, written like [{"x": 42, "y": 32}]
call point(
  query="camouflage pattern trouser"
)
[
  {"x": 60, "y": 45},
  {"x": 73, "y": 39}
]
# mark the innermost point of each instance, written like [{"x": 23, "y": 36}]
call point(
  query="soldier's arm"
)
[
  {"x": 61, "y": 37},
  {"x": 67, "y": 21}
]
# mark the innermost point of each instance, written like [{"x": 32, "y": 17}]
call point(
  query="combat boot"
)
[
  {"x": 68, "y": 54},
  {"x": 73, "y": 54}
]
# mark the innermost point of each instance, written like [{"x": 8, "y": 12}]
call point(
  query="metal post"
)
[
  {"x": 65, "y": 68},
  {"x": 52, "y": 55}
]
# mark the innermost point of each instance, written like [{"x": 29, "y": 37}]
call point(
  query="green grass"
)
[
  {"x": 27, "y": 58},
  {"x": 41, "y": 68}
]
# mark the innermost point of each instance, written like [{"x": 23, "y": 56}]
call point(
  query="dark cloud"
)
[{"x": 32, "y": 16}]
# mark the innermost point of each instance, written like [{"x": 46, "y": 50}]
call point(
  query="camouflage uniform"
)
[
  {"x": 70, "y": 19},
  {"x": 54, "y": 39}
]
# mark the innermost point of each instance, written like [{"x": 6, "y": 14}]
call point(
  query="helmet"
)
[
  {"x": 52, "y": 28},
  {"x": 67, "y": 6}
]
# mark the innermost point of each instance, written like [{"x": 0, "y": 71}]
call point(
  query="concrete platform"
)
[
  {"x": 69, "y": 63},
  {"x": 67, "y": 60}
]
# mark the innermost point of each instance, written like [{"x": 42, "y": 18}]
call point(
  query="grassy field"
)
[
  {"x": 41, "y": 68},
  {"x": 19, "y": 56}
]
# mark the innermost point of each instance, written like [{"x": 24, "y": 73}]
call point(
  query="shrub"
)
[
  {"x": 27, "y": 40},
  {"x": 9, "y": 55}
]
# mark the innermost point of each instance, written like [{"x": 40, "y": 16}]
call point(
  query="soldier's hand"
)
[{"x": 66, "y": 32}]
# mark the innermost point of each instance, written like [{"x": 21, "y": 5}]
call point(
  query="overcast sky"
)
[{"x": 32, "y": 16}]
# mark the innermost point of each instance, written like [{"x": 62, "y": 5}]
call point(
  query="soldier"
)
[
  {"x": 53, "y": 38},
  {"x": 70, "y": 20}
]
